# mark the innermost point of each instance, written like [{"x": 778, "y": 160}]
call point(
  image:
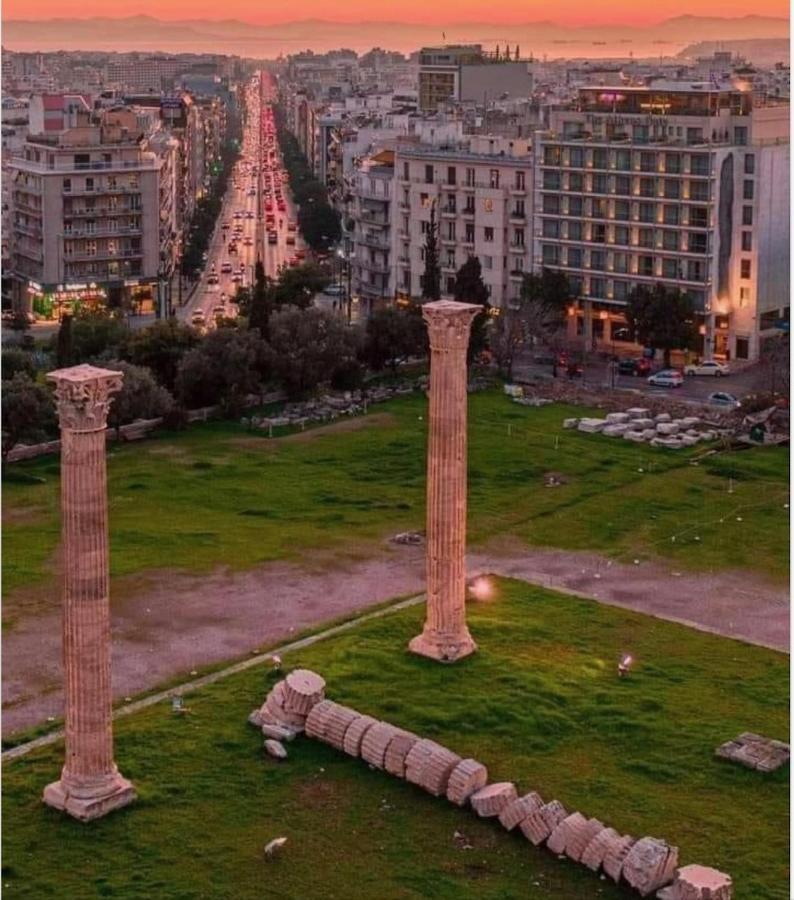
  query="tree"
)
[
  {"x": 774, "y": 368},
  {"x": 160, "y": 348},
  {"x": 227, "y": 366},
  {"x": 320, "y": 224},
  {"x": 308, "y": 346},
  {"x": 20, "y": 321},
  {"x": 470, "y": 288},
  {"x": 297, "y": 285},
  {"x": 94, "y": 333},
  {"x": 431, "y": 279},
  {"x": 392, "y": 334},
  {"x": 536, "y": 316},
  {"x": 64, "y": 347},
  {"x": 662, "y": 318},
  {"x": 15, "y": 360},
  {"x": 260, "y": 301},
  {"x": 140, "y": 397},
  {"x": 28, "y": 413}
]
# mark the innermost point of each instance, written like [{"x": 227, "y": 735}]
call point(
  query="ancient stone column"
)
[
  {"x": 90, "y": 783},
  {"x": 445, "y": 636}
]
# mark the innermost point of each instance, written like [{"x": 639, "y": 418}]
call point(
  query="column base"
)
[
  {"x": 443, "y": 646},
  {"x": 118, "y": 792}
]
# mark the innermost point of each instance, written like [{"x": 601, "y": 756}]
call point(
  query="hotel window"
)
[
  {"x": 697, "y": 243},
  {"x": 489, "y": 231},
  {"x": 623, "y": 160},
  {"x": 599, "y": 158},
  {"x": 597, "y": 288},
  {"x": 519, "y": 210},
  {"x": 622, "y": 235},
  {"x": 620, "y": 262},
  {"x": 698, "y": 163},
  {"x": 748, "y": 190},
  {"x": 749, "y": 164},
  {"x": 698, "y": 217},
  {"x": 620, "y": 290},
  {"x": 647, "y": 187},
  {"x": 551, "y": 203},
  {"x": 694, "y": 135},
  {"x": 672, "y": 189},
  {"x": 645, "y": 237},
  {"x": 740, "y": 135},
  {"x": 494, "y": 178},
  {"x": 672, "y": 163},
  {"x": 576, "y": 182},
  {"x": 89, "y": 184},
  {"x": 622, "y": 210},
  {"x": 90, "y": 248},
  {"x": 746, "y": 268},
  {"x": 451, "y": 259},
  {"x": 469, "y": 207},
  {"x": 699, "y": 191},
  {"x": 551, "y": 255},
  {"x": 487, "y": 204},
  {"x": 598, "y": 260},
  {"x": 747, "y": 241},
  {"x": 552, "y": 156},
  {"x": 598, "y": 233},
  {"x": 670, "y": 215},
  {"x": 669, "y": 268},
  {"x": 742, "y": 348},
  {"x": 551, "y": 180},
  {"x": 599, "y": 183},
  {"x": 670, "y": 240},
  {"x": 598, "y": 208},
  {"x": 574, "y": 231},
  {"x": 424, "y": 200},
  {"x": 575, "y": 257},
  {"x": 575, "y": 206},
  {"x": 645, "y": 265},
  {"x": 747, "y": 215},
  {"x": 647, "y": 212},
  {"x": 696, "y": 270},
  {"x": 623, "y": 185},
  {"x": 576, "y": 157},
  {"x": 647, "y": 162}
]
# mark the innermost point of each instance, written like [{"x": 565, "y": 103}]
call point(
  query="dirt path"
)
[{"x": 166, "y": 624}]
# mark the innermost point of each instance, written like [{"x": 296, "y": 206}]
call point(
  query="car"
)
[
  {"x": 723, "y": 398},
  {"x": 252, "y": 192},
  {"x": 198, "y": 317},
  {"x": 666, "y": 378},
  {"x": 300, "y": 254},
  {"x": 237, "y": 278},
  {"x": 238, "y": 214},
  {"x": 272, "y": 237},
  {"x": 333, "y": 290},
  {"x": 225, "y": 226},
  {"x": 634, "y": 367},
  {"x": 212, "y": 278},
  {"x": 708, "y": 367},
  {"x": 291, "y": 240},
  {"x": 291, "y": 226},
  {"x": 282, "y": 207},
  {"x": 249, "y": 242},
  {"x": 226, "y": 268},
  {"x": 232, "y": 248},
  {"x": 218, "y": 312}
]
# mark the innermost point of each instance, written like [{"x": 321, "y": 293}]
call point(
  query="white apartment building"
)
[
  {"x": 85, "y": 218},
  {"x": 371, "y": 212},
  {"x": 680, "y": 183},
  {"x": 482, "y": 194}
]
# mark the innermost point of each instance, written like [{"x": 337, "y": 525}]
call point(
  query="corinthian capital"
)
[
  {"x": 449, "y": 323},
  {"x": 82, "y": 395}
]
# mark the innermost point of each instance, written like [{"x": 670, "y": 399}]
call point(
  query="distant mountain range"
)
[{"x": 268, "y": 41}]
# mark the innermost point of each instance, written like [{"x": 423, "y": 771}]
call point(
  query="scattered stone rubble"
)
[
  {"x": 638, "y": 425},
  {"x": 755, "y": 752},
  {"x": 298, "y": 704}
]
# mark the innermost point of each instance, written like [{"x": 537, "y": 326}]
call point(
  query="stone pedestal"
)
[
  {"x": 445, "y": 636},
  {"x": 90, "y": 785}
]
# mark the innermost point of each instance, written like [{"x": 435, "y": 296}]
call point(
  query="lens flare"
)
[{"x": 482, "y": 589}]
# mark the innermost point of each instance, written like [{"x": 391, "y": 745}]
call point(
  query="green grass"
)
[
  {"x": 217, "y": 495},
  {"x": 540, "y": 704}
]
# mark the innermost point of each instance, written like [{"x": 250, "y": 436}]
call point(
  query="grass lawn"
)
[
  {"x": 540, "y": 704},
  {"x": 215, "y": 494}
]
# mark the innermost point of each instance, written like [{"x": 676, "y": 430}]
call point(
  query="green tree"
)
[
  {"x": 431, "y": 279},
  {"x": 392, "y": 334},
  {"x": 160, "y": 348},
  {"x": 15, "y": 360},
  {"x": 94, "y": 333},
  {"x": 227, "y": 366},
  {"x": 140, "y": 397},
  {"x": 28, "y": 413},
  {"x": 662, "y": 318},
  {"x": 64, "y": 346},
  {"x": 297, "y": 285},
  {"x": 470, "y": 288},
  {"x": 308, "y": 346},
  {"x": 260, "y": 305}
]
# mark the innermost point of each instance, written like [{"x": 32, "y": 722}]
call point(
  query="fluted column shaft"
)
[
  {"x": 90, "y": 783},
  {"x": 446, "y": 636}
]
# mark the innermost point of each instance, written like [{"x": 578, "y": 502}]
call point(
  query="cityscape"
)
[{"x": 395, "y": 452}]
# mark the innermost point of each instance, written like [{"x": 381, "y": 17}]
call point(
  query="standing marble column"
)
[
  {"x": 90, "y": 784},
  {"x": 445, "y": 636}
]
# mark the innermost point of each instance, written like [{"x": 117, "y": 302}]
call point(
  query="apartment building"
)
[
  {"x": 85, "y": 218},
  {"x": 481, "y": 190},
  {"x": 680, "y": 183},
  {"x": 371, "y": 212},
  {"x": 139, "y": 72}
]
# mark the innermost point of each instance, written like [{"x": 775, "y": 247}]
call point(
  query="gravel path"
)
[{"x": 166, "y": 624}]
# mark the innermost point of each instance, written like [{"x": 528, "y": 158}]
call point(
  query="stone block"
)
[
  {"x": 278, "y": 732},
  {"x": 375, "y": 742},
  {"x": 570, "y": 423},
  {"x": 591, "y": 426},
  {"x": 417, "y": 759},
  {"x": 635, "y": 436},
  {"x": 303, "y": 689},
  {"x": 690, "y": 421},
  {"x": 755, "y": 752},
  {"x": 276, "y": 749},
  {"x": 649, "y": 865},
  {"x": 466, "y": 778},
  {"x": 617, "y": 418},
  {"x": 399, "y": 747},
  {"x": 553, "y": 813},
  {"x": 615, "y": 853},
  {"x": 662, "y": 417},
  {"x": 535, "y": 828},
  {"x": 580, "y": 838},
  {"x": 643, "y": 423},
  {"x": 593, "y": 854},
  {"x": 638, "y": 412},
  {"x": 515, "y": 813},
  {"x": 687, "y": 440},
  {"x": 437, "y": 769},
  {"x": 667, "y": 428},
  {"x": 563, "y": 832},
  {"x": 696, "y": 882},
  {"x": 493, "y": 798},
  {"x": 336, "y": 724},
  {"x": 355, "y": 733},
  {"x": 614, "y": 430},
  {"x": 649, "y": 434},
  {"x": 315, "y": 721}
]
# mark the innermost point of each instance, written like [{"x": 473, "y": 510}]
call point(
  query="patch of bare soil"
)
[{"x": 166, "y": 624}]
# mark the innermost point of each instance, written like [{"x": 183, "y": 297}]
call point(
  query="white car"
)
[
  {"x": 722, "y": 398},
  {"x": 666, "y": 378},
  {"x": 708, "y": 367}
]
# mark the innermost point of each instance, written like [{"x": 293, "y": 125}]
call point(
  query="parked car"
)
[
  {"x": 667, "y": 378},
  {"x": 634, "y": 367},
  {"x": 708, "y": 367},
  {"x": 226, "y": 268},
  {"x": 724, "y": 399},
  {"x": 291, "y": 240}
]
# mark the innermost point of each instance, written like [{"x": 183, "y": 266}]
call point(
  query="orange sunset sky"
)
[{"x": 564, "y": 12}]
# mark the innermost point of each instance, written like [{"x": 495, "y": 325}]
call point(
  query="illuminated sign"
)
[{"x": 611, "y": 98}]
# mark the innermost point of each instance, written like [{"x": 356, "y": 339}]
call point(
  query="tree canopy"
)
[{"x": 662, "y": 318}]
